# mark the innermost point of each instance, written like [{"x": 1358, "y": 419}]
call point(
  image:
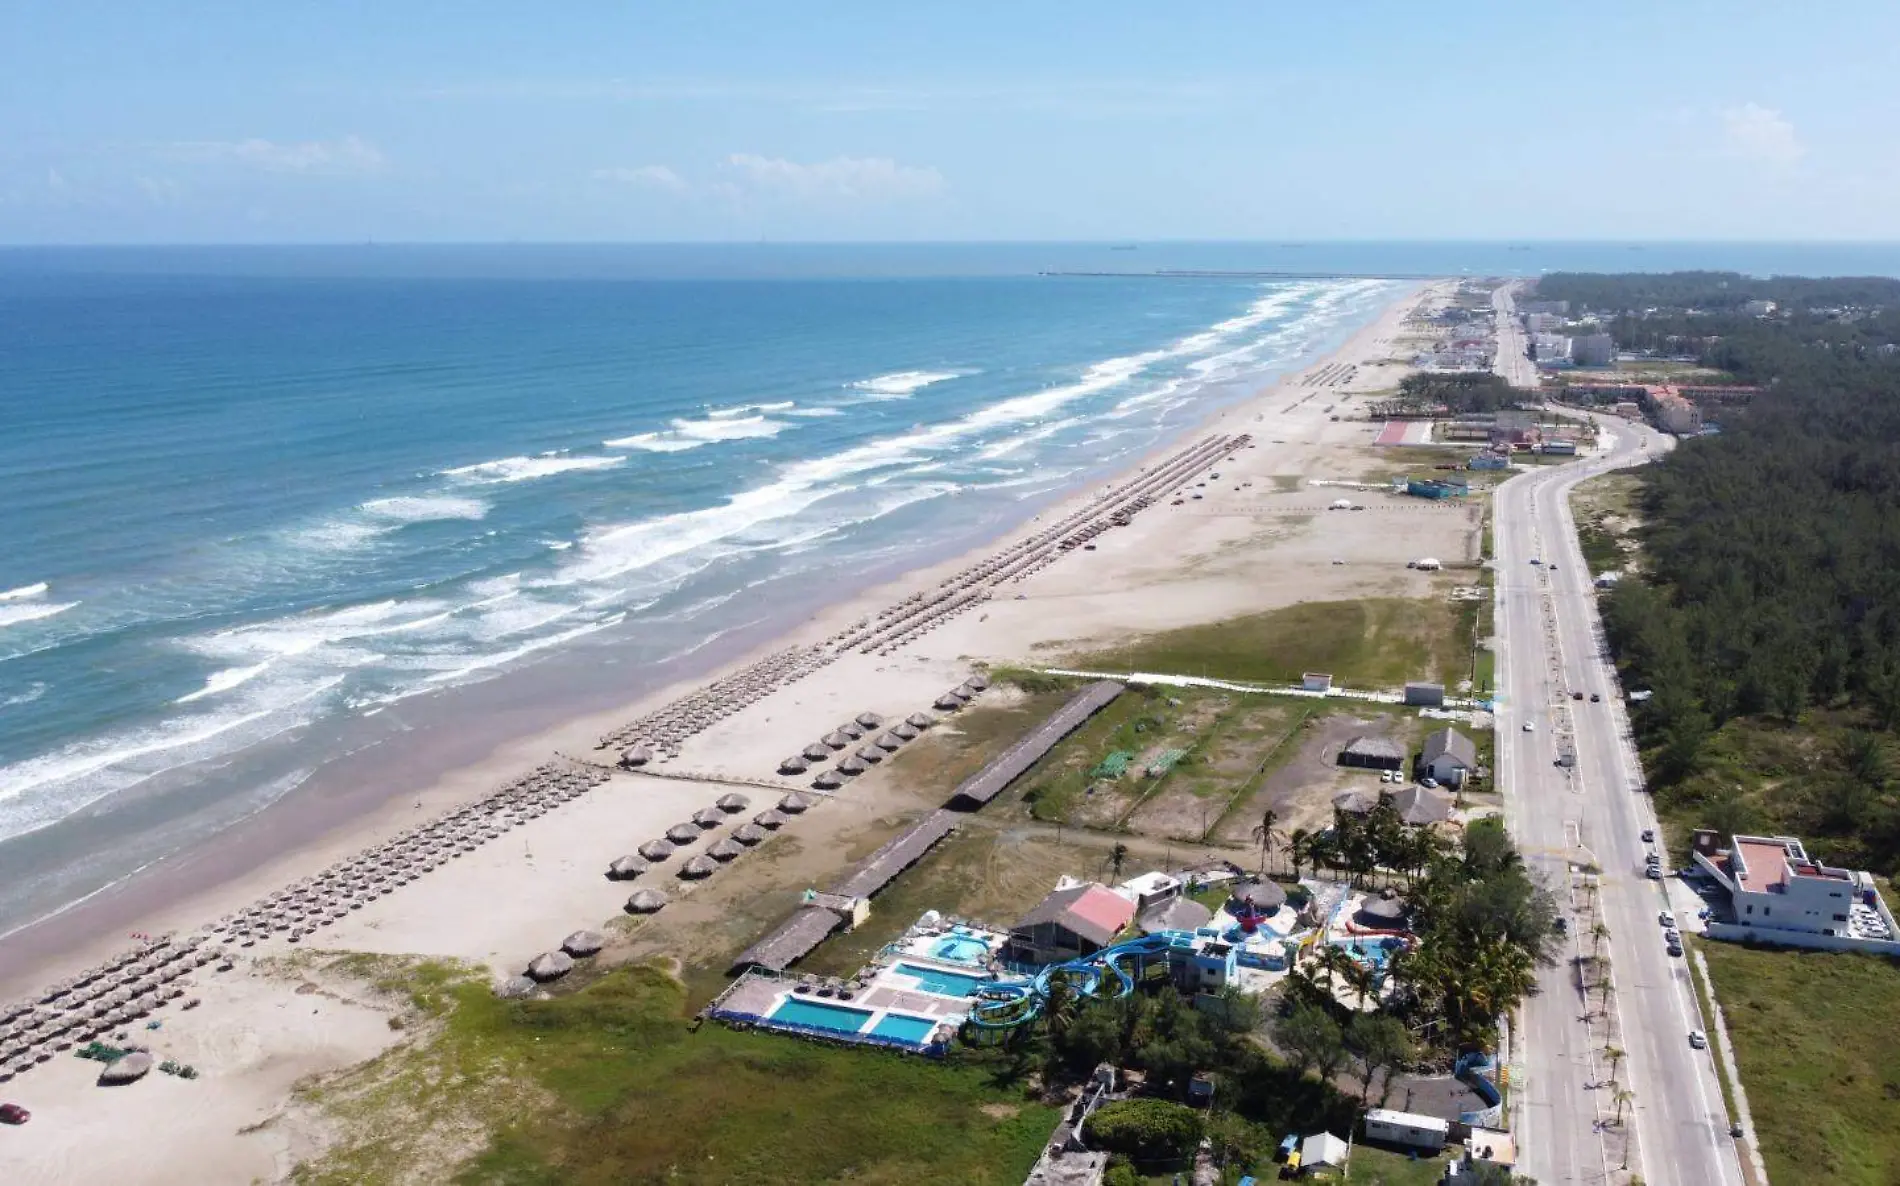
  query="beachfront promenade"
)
[{"x": 154, "y": 974}]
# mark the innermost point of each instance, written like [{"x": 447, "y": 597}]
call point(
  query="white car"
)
[
  {"x": 1530, "y": 727},
  {"x": 1698, "y": 1039}
]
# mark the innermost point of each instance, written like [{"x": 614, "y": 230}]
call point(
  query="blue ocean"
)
[{"x": 259, "y": 501}]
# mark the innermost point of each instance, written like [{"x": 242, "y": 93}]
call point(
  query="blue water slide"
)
[
  {"x": 1105, "y": 974},
  {"x": 1474, "y": 1070}
]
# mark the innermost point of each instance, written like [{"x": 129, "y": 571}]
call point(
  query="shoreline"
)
[
  {"x": 308, "y": 829},
  {"x": 355, "y": 798}
]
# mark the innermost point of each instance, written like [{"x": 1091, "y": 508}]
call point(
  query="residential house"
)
[
  {"x": 1778, "y": 894},
  {"x": 1449, "y": 756}
]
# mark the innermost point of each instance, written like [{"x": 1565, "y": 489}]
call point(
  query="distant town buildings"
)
[
  {"x": 1592, "y": 350},
  {"x": 1673, "y": 413},
  {"x": 1550, "y": 349},
  {"x": 1757, "y": 308},
  {"x": 1539, "y": 323},
  {"x": 1558, "y": 308}
]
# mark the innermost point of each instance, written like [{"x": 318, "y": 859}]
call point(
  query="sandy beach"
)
[{"x": 1254, "y": 538}]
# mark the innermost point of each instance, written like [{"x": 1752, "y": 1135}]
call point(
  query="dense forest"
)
[{"x": 1772, "y": 551}]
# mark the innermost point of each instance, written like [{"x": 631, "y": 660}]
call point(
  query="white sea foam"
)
[
  {"x": 785, "y": 405},
  {"x": 28, "y": 603},
  {"x": 33, "y": 692},
  {"x": 523, "y": 469},
  {"x": 813, "y": 413},
  {"x": 728, "y": 425},
  {"x": 224, "y": 681},
  {"x": 525, "y": 649},
  {"x": 423, "y": 508},
  {"x": 901, "y": 384}
]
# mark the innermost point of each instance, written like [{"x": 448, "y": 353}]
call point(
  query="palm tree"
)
[
  {"x": 1298, "y": 847},
  {"x": 1623, "y": 1096},
  {"x": 1615, "y": 1055},
  {"x": 1598, "y": 934},
  {"x": 1265, "y": 834},
  {"x": 1116, "y": 857}
]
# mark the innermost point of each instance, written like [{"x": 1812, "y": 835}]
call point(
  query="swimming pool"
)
[
  {"x": 822, "y": 1014},
  {"x": 949, "y": 984},
  {"x": 904, "y": 1029},
  {"x": 1372, "y": 951},
  {"x": 964, "y": 949}
]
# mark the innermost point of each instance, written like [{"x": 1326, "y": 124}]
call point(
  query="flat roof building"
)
[{"x": 1778, "y": 894}]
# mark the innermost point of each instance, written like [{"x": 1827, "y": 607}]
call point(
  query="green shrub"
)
[{"x": 1145, "y": 1130}]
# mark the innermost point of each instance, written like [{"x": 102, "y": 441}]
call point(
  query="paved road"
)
[
  {"x": 1550, "y": 646},
  {"x": 1511, "y": 361}
]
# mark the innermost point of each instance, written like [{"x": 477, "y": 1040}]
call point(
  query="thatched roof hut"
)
[
  {"x": 550, "y": 965},
  {"x": 771, "y": 820},
  {"x": 646, "y": 901},
  {"x": 1383, "y": 913},
  {"x": 1263, "y": 896},
  {"x": 920, "y": 720},
  {"x": 829, "y": 780},
  {"x": 1355, "y": 802},
  {"x": 515, "y": 987},
  {"x": 656, "y": 850},
  {"x": 869, "y": 720},
  {"x": 733, "y": 803},
  {"x": 795, "y": 802},
  {"x": 699, "y": 866},
  {"x": 1176, "y": 914},
  {"x": 724, "y": 850},
  {"x": 683, "y": 833},
  {"x": 851, "y": 764},
  {"x": 626, "y": 868},
  {"x": 748, "y": 834},
  {"x": 126, "y": 1069},
  {"x": 581, "y": 944},
  {"x": 709, "y": 817},
  {"x": 795, "y": 764}
]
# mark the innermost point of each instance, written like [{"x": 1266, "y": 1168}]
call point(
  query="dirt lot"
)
[
  {"x": 1221, "y": 770},
  {"x": 1301, "y": 789}
]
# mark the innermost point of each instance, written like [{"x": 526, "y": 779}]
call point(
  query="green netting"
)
[
  {"x": 1113, "y": 766},
  {"x": 1164, "y": 762}
]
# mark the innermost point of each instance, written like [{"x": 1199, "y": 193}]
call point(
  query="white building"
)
[
  {"x": 1543, "y": 323},
  {"x": 1758, "y": 308},
  {"x": 1410, "y": 1129},
  {"x": 1550, "y": 347},
  {"x": 1149, "y": 890},
  {"x": 1592, "y": 350},
  {"x": 1777, "y": 894}
]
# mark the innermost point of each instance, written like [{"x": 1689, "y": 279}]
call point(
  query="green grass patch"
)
[
  {"x": 1817, "y": 1040},
  {"x": 608, "y": 1085},
  {"x": 1379, "y": 642},
  {"x": 1286, "y": 483},
  {"x": 1378, "y": 1167}
]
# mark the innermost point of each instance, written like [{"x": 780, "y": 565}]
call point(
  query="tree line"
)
[{"x": 1772, "y": 551}]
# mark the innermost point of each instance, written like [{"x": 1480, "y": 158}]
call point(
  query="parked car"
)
[
  {"x": 14, "y": 1114},
  {"x": 1649, "y": 834},
  {"x": 1428, "y": 782},
  {"x": 1666, "y": 919},
  {"x": 1734, "y": 1130},
  {"x": 1698, "y": 1039},
  {"x": 1674, "y": 948},
  {"x": 1654, "y": 872}
]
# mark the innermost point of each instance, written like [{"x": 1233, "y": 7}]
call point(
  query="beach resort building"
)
[
  {"x": 1448, "y": 756},
  {"x": 1076, "y": 919},
  {"x": 1778, "y": 894}
]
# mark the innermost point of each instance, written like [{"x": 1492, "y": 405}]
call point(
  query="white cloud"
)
[
  {"x": 1761, "y": 134},
  {"x": 350, "y": 154},
  {"x": 645, "y": 177},
  {"x": 862, "y": 179}
]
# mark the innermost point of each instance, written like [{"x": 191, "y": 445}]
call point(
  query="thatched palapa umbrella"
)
[
  {"x": 581, "y": 944},
  {"x": 836, "y": 740},
  {"x": 748, "y": 833},
  {"x": 890, "y": 742},
  {"x": 978, "y": 682},
  {"x": 682, "y": 833},
  {"x": 793, "y": 765},
  {"x": 871, "y": 754},
  {"x": 869, "y": 720},
  {"x": 127, "y": 1069},
  {"x": 645, "y": 901},
  {"x": 639, "y": 755},
  {"x": 626, "y": 868},
  {"x": 828, "y": 780},
  {"x": 733, "y": 803},
  {"x": 851, "y": 729},
  {"x": 550, "y": 965},
  {"x": 851, "y": 765},
  {"x": 656, "y": 850},
  {"x": 920, "y": 720},
  {"x": 903, "y": 730},
  {"x": 724, "y": 850},
  {"x": 771, "y": 820},
  {"x": 515, "y": 987},
  {"x": 795, "y": 802},
  {"x": 946, "y": 703},
  {"x": 816, "y": 752},
  {"x": 699, "y": 866}
]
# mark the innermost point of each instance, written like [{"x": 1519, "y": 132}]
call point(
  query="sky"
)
[{"x": 422, "y": 121}]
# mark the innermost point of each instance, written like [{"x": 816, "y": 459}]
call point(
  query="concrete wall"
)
[{"x": 1737, "y": 933}]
